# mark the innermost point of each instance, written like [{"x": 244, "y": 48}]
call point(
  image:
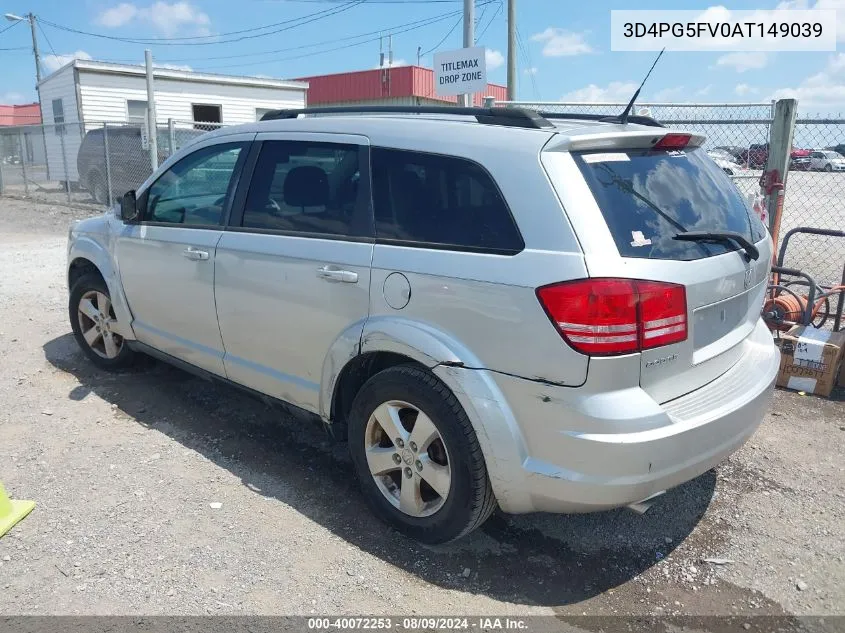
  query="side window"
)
[
  {"x": 304, "y": 187},
  {"x": 194, "y": 190},
  {"x": 442, "y": 200},
  {"x": 59, "y": 115}
]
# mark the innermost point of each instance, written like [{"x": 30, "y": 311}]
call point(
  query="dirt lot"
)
[{"x": 123, "y": 469}]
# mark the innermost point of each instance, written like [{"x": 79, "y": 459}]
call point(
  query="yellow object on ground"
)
[{"x": 12, "y": 511}]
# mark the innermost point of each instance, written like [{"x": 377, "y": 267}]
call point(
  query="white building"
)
[{"x": 84, "y": 94}]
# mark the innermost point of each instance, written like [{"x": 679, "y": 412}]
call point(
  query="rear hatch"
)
[{"x": 645, "y": 198}]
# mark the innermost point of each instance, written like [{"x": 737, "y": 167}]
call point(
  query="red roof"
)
[
  {"x": 27, "y": 114},
  {"x": 383, "y": 83}
]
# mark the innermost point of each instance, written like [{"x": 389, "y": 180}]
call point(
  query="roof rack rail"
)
[
  {"x": 511, "y": 117},
  {"x": 602, "y": 118}
]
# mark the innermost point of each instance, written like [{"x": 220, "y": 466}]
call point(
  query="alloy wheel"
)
[
  {"x": 97, "y": 323},
  {"x": 408, "y": 458}
]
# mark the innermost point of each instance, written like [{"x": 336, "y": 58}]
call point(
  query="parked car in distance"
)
[
  {"x": 129, "y": 162},
  {"x": 757, "y": 155},
  {"x": 827, "y": 160},
  {"x": 736, "y": 151},
  {"x": 569, "y": 323},
  {"x": 726, "y": 162}
]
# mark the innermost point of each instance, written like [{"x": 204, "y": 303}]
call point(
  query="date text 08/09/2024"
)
[{"x": 416, "y": 624}]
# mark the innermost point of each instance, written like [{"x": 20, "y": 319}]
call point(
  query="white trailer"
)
[{"x": 85, "y": 94}]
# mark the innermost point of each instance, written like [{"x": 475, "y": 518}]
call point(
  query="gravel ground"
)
[{"x": 124, "y": 469}]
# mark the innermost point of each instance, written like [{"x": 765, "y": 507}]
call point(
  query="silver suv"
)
[{"x": 495, "y": 308}]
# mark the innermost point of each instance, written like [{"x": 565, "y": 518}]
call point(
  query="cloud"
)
[
  {"x": 615, "y": 92},
  {"x": 54, "y": 62},
  {"x": 741, "y": 62},
  {"x": 825, "y": 89},
  {"x": 493, "y": 58},
  {"x": 561, "y": 43},
  {"x": 669, "y": 94},
  {"x": 531, "y": 71},
  {"x": 163, "y": 17},
  {"x": 744, "y": 89},
  {"x": 11, "y": 97},
  {"x": 173, "y": 66},
  {"x": 396, "y": 63},
  {"x": 838, "y": 5}
]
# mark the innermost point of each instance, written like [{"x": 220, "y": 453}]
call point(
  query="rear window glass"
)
[{"x": 647, "y": 198}]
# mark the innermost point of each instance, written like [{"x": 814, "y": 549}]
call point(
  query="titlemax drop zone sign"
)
[{"x": 460, "y": 72}]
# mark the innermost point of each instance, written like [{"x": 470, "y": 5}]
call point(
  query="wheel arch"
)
[
  {"x": 88, "y": 255},
  {"x": 388, "y": 341}
]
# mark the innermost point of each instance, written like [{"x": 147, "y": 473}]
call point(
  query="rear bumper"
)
[{"x": 595, "y": 451}]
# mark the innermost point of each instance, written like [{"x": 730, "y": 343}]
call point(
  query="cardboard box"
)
[{"x": 810, "y": 359}]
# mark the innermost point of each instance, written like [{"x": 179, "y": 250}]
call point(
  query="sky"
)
[{"x": 564, "y": 51}]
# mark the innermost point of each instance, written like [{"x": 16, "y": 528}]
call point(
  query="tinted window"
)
[
  {"x": 304, "y": 187},
  {"x": 441, "y": 200},
  {"x": 194, "y": 190},
  {"x": 649, "y": 197}
]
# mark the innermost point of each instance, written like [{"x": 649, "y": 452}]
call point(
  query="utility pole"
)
[
  {"x": 469, "y": 39},
  {"x": 31, "y": 17},
  {"x": 152, "y": 132},
  {"x": 511, "y": 50},
  {"x": 11, "y": 17}
]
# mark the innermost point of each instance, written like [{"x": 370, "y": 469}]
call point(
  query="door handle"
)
[
  {"x": 333, "y": 274},
  {"x": 194, "y": 254}
]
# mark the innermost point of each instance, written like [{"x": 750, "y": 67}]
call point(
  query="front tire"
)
[
  {"x": 417, "y": 457},
  {"x": 93, "y": 321}
]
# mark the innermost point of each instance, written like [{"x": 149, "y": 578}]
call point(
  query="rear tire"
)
[
  {"x": 92, "y": 319},
  {"x": 437, "y": 444}
]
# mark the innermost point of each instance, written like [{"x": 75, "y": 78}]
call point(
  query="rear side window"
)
[
  {"x": 440, "y": 201},
  {"x": 647, "y": 198},
  {"x": 304, "y": 187}
]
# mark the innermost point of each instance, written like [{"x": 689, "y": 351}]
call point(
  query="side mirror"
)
[{"x": 129, "y": 207}]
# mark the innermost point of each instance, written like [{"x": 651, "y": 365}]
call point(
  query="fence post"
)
[
  {"x": 23, "y": 163},
  {"x": 64, "y": 160},
  {"x": 777, "y": 165},
  {"x": 171, "y": 137},
  {"x": 108, "y": 163}
]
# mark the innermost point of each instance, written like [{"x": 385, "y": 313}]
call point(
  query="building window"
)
[
  {"x": 136, "y": 111},
  {"x": 59, "y": 115},
  {"x": 260, "y": 112},
  {"x": 204, "y": 114}
]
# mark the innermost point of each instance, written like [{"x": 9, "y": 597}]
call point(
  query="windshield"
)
[{"x": 647, "y": 198}]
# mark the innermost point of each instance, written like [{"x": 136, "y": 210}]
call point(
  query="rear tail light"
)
[
  {"x": 673, "y": 141},
  {"x": 607, "y": 317}
]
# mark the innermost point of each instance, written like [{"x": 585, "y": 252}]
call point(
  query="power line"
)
[
  {"x": 11, "y": 26},
  {"x": 47, "y": 39},
  {"x": 318, "y": 15},
  {"x": 527, "y": 59},
  {"x": 492, "y": 18},
  {"x": 445, "y": 37},
  {"x": 431, "y": 21},
  {"x": 383, "y": 31}
]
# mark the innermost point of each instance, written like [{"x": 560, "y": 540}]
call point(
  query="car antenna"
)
[{"x": 623, "y": 118}]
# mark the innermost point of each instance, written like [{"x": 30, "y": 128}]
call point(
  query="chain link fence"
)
[{"x": 87, "y": 164}]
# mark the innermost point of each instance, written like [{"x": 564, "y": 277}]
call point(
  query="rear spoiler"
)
[{"x": 621, "y": 138}]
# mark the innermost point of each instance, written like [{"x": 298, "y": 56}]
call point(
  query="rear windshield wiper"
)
[{"x": 732, "y": 237}]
